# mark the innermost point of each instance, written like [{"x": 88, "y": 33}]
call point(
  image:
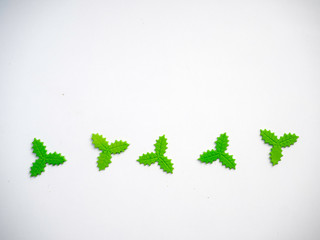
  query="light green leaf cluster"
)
[
  {"x": 226, "y": 159},
  {"x": 158, "y": 156},
  {"x": 277, "y": 143},
  {"x": 104, "y": 159}
]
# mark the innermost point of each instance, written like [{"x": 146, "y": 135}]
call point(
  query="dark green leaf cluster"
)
[{"x": 43, "y": 158}]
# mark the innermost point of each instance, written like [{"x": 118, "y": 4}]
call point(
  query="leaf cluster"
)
[
  {"x": 104, "y": 159},
  {"x": 158, "y": 156},
  {"x": 44, "y": 158},
  {"x": 226, "y": 159},
  {"x": 277, "y": 143}
]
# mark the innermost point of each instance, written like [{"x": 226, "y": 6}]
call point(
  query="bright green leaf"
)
[
  {"x": 277, "y": 144},
  {"x": 222, "y": 143},
  {"x": 269, "y": 137},
  {"x": 148, "y": 158},
  {"x": 165, "y": 164},
  {"x": 275, "y": 154},
  {"x": 219, "y": 153},
  {"x": 158, "y": 156},
  {"x": 104, "y": 160},
  {"x": 37, "y": 167},
  {"x": 209, "y": 156},
  {"x": 161, "y": 145},
  {"x": 105, "y": 156},
  {"x": 38, "y": 148},
  {"x": 55, "y": 158},
  {"x": 118, "y": 147},
  {"x": 99, "y": 142},
  {"x": 287, "y": 140},
  {"x": 39, "y": 164},
  {"x": 227, "y": 161}
]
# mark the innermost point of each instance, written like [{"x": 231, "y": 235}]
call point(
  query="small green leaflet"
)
[
  {"x": 220, "y": 153},
  {"x": 277, "y": 143},
  {"x": 107, "y": 149},
  {"x": 158, "y": 156},
  {"x": 43, "y": 158}
]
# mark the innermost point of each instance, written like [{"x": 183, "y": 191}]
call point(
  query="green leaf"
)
[
  {"x": 209, "y": 156},
  {"x": 220, "y": 153},
  {"x": 148, "y": 158},
  {"x": 222, "y": 143},
  {"x": 277, "y": 144},
  {"x": 37, "y": 167},
  {"x": 38, "y": 148},
  {"x": 43, "y": 158},
  {"x": 118, "y": 147},
  {"x": 161, "y": 145},
  {"x": 165, "y": 164},
  {"x": 99, "y": 142},
  {"x": 275, "y": 154},
  {"x": 55, "y": 158},
  {"x": 287, "y": 140},
  {"x": 160, "y": 148},
  {"x": 269, "y": 137},
  {"x": 227, "y": 161},
  {"x": 104, "y": 160}
]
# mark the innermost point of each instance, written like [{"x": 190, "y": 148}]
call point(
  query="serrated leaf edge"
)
[
  {"x": 165, "y": 147},
  {"x": 158, "y": 156},
  {"x": 44, "y": 158},
  {"x": 277, "y": 145},
  {"x": 268, "y": 131},
  {"x": 107, "y": 149},
  {"x": 34, "y": 145},
  {"x": 124, "y": 143},
  {"x": 219, "y": 153}
]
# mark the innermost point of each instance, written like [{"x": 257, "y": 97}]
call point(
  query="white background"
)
[{"x": 135, "y": 70}]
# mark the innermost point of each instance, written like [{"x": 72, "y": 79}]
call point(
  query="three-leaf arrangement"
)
[
  {"x": 277, "y": 143},
  {"x": 43, "y": 158},
  {"x": 104, "y": 159},
  {"x": 107, "y": 149},
  {"x": 220, "y": 153},
  {"x": 158, "y": 156}
]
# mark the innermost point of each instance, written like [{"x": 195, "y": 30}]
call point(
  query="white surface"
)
[{"x": 135, "y": 70}]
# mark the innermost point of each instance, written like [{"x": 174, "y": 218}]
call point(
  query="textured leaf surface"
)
[
  {"x": 269, "y": 137},
  {"x": 99, "y": 142},
  {"x": 275, "y": 154},
  {"x": 118, "y": 147},
  {"x": 148, "y": 158},
  {"x": 38, "y": 148},
  {"x": 277, "y": 143},
  {"x": 227, "y": 161},
  {"x": 209, "y": 156},
  {"x": 55, "y": 158},
  {"x": 37, "y": 167},
  {"x": 165, "y": 164},
  {"x": 104, "y": 160},
  {"x": 39, "y": 164},
  {"x": 161, "y": 145},
  {"x": 158, "y": 156},
  {"x": 222, "y": 143},
  {"x": 287, "y": 140}
]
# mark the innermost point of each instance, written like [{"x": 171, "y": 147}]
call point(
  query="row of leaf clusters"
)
[{"x": 158, "y": 156}]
